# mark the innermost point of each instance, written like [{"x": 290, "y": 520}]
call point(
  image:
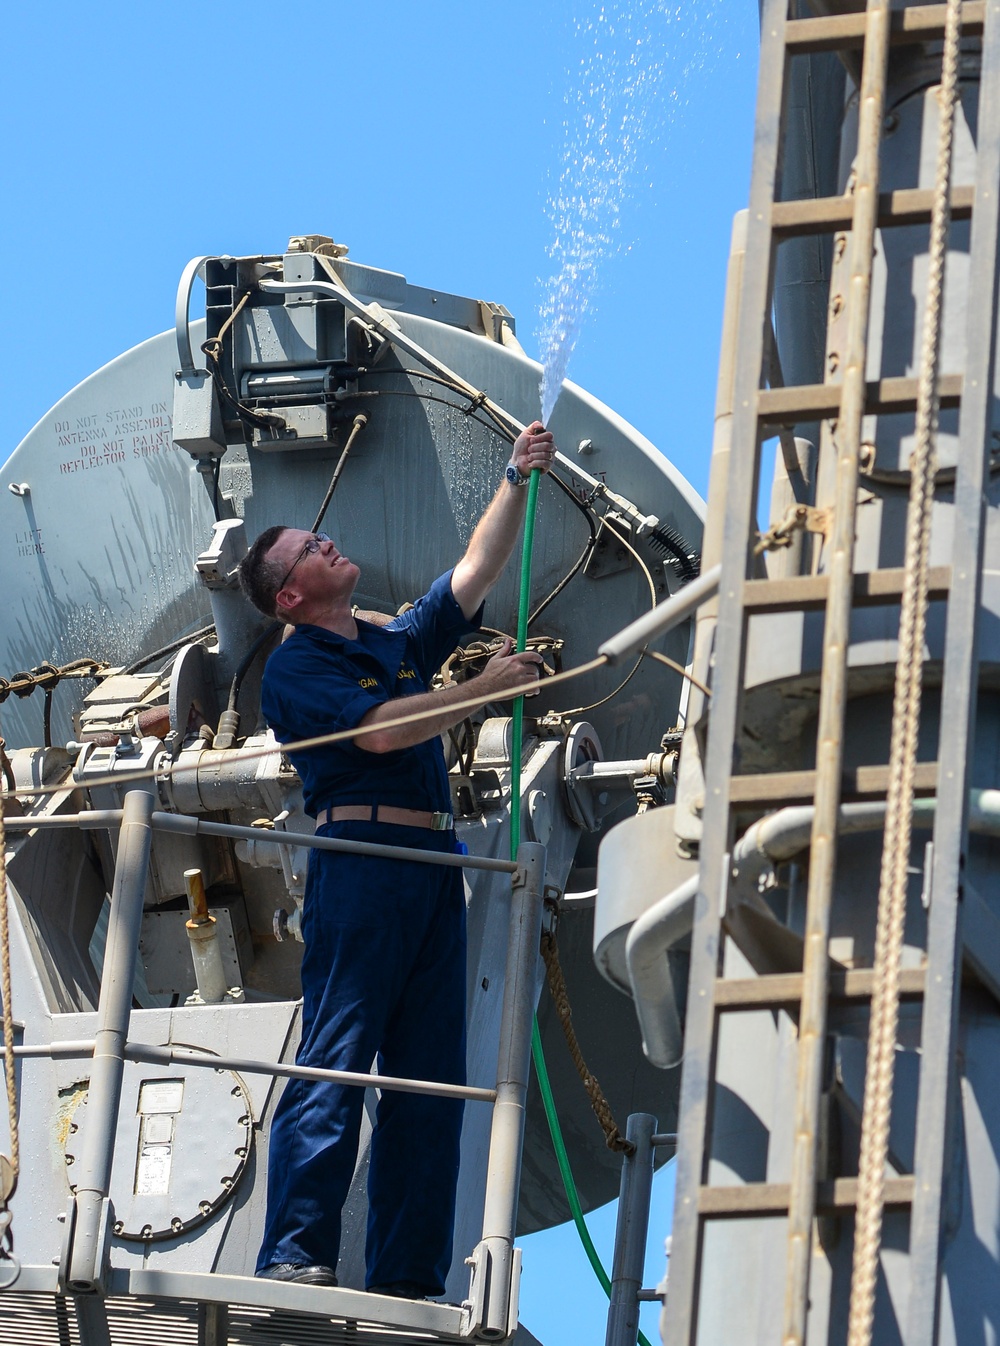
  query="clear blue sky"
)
[{"x": 425, "y": 136}]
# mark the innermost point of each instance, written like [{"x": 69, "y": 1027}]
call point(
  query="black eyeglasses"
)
[{"x": 310, "y": 548}]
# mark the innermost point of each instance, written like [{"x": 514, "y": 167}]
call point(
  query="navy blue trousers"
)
[{"x": 383, "y": 975}]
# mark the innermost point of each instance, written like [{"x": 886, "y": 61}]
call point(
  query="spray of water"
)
[{"x": 628, "y": 84}]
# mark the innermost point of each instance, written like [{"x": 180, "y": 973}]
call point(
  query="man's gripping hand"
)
[
  {"x": 534, "y": 447},
  {"x": 505, "y": 671}
]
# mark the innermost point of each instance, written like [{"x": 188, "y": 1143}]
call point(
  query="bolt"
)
[{"x": 833, "y": 362}]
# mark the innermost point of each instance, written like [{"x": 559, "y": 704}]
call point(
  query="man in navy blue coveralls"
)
[{"x": 383, "y": 973}]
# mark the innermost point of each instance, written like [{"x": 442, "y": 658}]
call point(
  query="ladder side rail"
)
[
  {"x": 936, "y": 1096},
  {"x": 740, "y": 521},
  {"x": 833, "y": 692}
]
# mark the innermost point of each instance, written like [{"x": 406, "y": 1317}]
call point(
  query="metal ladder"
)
[{"x": 757, "y": 413}]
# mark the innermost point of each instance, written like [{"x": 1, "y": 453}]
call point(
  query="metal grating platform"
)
[{"x": 206, "y": 1310}]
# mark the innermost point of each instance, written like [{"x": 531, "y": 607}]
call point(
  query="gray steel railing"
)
[{"x": 494, "y": 1262}]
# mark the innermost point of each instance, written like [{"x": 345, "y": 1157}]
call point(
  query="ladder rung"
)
[
  {"x": 771, "y": 1198},
  {"x": 824, "y": 214},
  {"x": 777, "y": 788},
  {"x": 803, "y": 593},
  {"x": 840, "y": 32},
  {"x": 784, "y": 989},
  {"x": 815, "y": 401}
]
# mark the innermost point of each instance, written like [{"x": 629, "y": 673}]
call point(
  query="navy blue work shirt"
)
[{"x": 319, "y": 682}]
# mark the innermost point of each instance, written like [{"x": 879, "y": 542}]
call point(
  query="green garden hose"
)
[{"x": 537, "y": 1055}]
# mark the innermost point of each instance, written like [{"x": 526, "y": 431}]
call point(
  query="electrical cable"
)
[
  {"x": 580, "y": 562},
  {"x": 678, "y": 668},
  {"x": 164, "y": 650},
  {"x": 212, "y": 349},
  {"x": 247, "y": 661},
  {"x": 537, "y": 1052},
  {"x": 580, "y": 710},
  {"x": 216, "y": 470},
  {"x": 360, "y": 421},
  {"x": 441, "y": 401}
]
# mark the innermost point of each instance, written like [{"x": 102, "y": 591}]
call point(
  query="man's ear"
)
[{"x": 287, "y": 600}]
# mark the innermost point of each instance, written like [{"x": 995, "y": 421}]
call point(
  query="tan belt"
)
[{"x": 385, "y": 813}]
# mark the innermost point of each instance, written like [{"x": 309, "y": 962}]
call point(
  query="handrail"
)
[
  {"x": 191, "y": 826},
  {"x": 159, "y": 1055}
]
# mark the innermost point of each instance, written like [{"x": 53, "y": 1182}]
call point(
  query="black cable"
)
[
  {"x": 441, "y": 401},
  {"x": 577, "y": 566},
  {"x": 169, "y": 649},
  {"x": 458, "y": 749},
  {"x": 579, "y": 710},
  {"x": 360, "y": 421},
  {"x": 470, "y": 739},
  {"x": 495, "y": 423},
  {"x": 584, "y": 556},
  {"x": 216, "y": 469},
  {"x": 247, "y": 661},
  {"x": 47, "y": 717}
]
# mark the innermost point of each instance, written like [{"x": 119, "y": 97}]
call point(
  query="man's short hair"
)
[{"x": 260, "y": 577}]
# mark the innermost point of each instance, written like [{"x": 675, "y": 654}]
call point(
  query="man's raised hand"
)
[{"x": 534, "y": 447}]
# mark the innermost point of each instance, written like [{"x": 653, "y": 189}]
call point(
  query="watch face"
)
[{"x": 513, "y": 476}]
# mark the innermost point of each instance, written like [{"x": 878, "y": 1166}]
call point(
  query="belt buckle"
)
[{"x": 441, "y": 822}]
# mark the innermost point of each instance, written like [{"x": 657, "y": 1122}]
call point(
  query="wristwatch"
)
[{"x": 515, "y": 476}]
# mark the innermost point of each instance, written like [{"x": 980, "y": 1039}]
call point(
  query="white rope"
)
[
  {"x": 905, "y": 725},
  {"x": 10, "y": 1076}
]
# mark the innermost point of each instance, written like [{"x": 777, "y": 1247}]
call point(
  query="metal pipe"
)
[
  {"x": 493, "y": 1260},
  {"x": 141, "y": 1051},
  {"x": 71, "y": 1047},
  {"x": 176, "y": 822},
  {"x": 777, "y": 837},
  {"x": 188, "y": 826},
  {"x": 664, "y": 617},
  {"x": 113, "y": 1015},
  {"x": 667, "y": 921},
  {"x": 203, "y": 938},
  {"x": 630, "y": 1232},
  {"x": 781, "y": 836},
  {"x": 89, "y": 818}
]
